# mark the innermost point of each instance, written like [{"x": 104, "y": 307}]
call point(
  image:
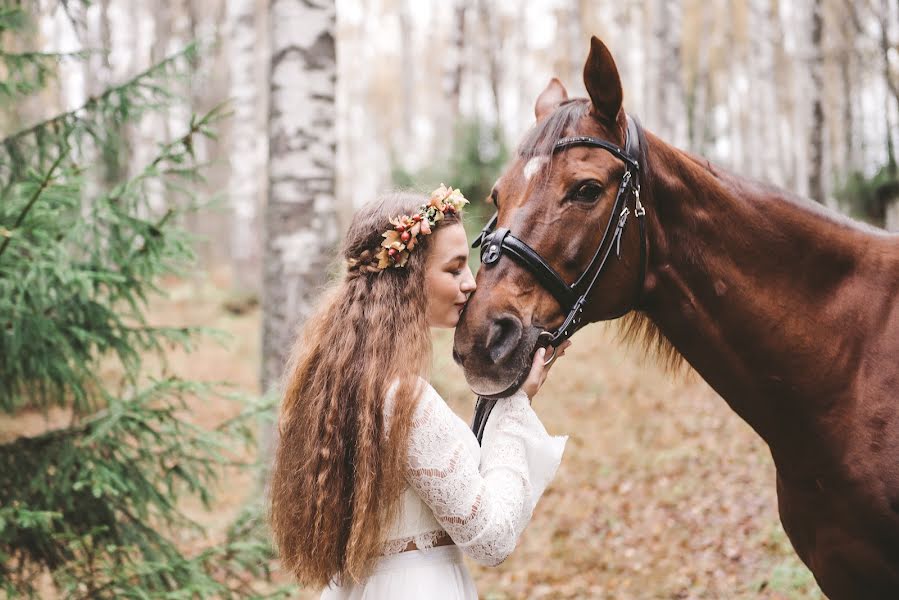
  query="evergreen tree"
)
[{"x": 96, "y": 504}]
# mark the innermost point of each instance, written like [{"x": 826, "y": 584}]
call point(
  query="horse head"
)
[{"x": 558, "y": 253}]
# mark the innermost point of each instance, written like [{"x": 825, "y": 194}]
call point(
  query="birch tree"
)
[
  {"x": 247, "y": 146},
  {"x": 816, "y": 126},
  {"x": 490, "y": 35},
  {"x": 666, "y": 102},
  {"x": 300, "y": 219},
  {"x": 455, "y": 63},
  {"x": 892, "y": 94}
]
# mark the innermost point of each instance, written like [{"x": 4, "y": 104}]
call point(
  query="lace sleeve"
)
[{"x": 485, "y": 507}]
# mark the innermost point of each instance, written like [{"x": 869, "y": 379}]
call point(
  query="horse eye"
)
[{"x": 587, "y": 192}]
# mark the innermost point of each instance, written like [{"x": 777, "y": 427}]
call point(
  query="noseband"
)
[{"x": 498, "y": 242}]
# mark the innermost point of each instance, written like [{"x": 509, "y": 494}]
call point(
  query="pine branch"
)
[
  {"x": 37, "y": 193},
  {"x": 94, "y": 102},
  {"x": 28, "y": 72}
]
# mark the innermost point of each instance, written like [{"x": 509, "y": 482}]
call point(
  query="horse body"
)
[
  {"x": 791, "y": 315},
  {"x": 788, "y": 311}
]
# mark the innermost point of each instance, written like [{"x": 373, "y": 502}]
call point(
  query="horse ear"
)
[
  {"x": 550, "y": 98},
  {"x": 602, "y": 81}
]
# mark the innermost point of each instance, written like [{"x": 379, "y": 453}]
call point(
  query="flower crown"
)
[{"x": 402, "y": 239}]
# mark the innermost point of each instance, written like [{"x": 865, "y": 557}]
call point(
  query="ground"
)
[{"x": 663, "y": 492}]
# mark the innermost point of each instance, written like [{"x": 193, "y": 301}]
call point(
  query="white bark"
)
[
  {"x": 891, "y": 214},
  {"x": 490, "y": 36},
  {"x": 454, "y": 56},
  {"x": 762, "y": 114},
  {"x": 247, "y": 149},
  {"x": 816, "y": 187},
  {"x": 407, "y": 54},
  {"x": 300, "y": 217},
  {"x": 666, "y": 104}
]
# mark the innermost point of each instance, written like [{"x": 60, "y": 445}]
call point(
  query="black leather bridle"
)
[{"x": 495, "y": 243}]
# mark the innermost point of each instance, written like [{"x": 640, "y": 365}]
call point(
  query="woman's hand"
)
[{"x": 538, "y": 372}]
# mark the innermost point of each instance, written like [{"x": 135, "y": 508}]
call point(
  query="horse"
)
[{"x": 787, "y": 309}]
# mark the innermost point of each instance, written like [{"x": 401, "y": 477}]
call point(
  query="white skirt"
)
[{"x": 436, "y": 573}]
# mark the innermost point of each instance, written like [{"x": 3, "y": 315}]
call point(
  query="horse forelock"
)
[{"x": 541, "y": 138}]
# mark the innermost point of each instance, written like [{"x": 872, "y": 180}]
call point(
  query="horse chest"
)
[{"x": 847, "y": 534}]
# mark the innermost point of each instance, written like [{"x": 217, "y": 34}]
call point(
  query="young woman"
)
[{"x": 378, "y": 487}]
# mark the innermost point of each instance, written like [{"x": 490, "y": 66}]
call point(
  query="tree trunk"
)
[
  {"x": 762, "y": 111},
  {"x": 667, "y": 71},
  {"x": 408, "y": 52},
  {"x": 701, "y": 42},
  {"x": 455, "y": 63},
  {"x": 816, "y": 126},
  {"x": 247, "y": 148},
  {"x": 892, "y": 89},
  {"x": 300, "y": 219},
  {"x": 491, "y": 37},
  {"x": 847, "y": 66}
]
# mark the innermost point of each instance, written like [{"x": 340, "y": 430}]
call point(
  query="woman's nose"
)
[{"x": 468, "y": 284}]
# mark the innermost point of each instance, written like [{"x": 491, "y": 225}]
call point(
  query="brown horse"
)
[{"x": 788, "y": 311}]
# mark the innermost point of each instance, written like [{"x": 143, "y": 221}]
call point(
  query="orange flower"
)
[
  {"x": 383, "y": 259},
  {"x": 442, "y": 200},
  {"x": 390, "y": 239}
]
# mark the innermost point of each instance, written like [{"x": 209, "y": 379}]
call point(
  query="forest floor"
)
[{"x": 663, "y": 491}]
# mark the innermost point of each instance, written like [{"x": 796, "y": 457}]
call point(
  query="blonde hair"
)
[{"x": 338, "y": 477}]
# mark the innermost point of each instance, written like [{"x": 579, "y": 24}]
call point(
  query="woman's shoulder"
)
[{"x": 426, "y": 398}]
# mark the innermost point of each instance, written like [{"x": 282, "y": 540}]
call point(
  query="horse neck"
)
[{"x": 757, "y": 291}]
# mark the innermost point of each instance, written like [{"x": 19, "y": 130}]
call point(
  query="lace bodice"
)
[{"x": 482, "y": 496}]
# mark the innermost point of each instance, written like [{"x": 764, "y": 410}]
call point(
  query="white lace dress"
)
[{"x": 482, "y": 496}]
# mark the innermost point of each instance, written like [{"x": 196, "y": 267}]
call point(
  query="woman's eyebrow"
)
[{"x": 458, "y": 258}]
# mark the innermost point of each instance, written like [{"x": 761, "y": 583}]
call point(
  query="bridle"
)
[{"x": 498, "y": 242}]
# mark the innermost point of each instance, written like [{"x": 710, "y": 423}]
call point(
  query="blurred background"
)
[{"x": 175, "y": 177}]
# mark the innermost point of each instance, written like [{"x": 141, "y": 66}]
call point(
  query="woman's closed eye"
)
[{"x": 457, "y": 265}]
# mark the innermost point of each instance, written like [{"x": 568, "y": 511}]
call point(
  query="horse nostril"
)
[{"x": 503, "y": 337}]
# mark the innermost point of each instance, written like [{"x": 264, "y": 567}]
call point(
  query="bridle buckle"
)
[{"x": 492, "y": 253}]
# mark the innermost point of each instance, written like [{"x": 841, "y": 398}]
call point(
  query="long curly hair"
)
[{"x": 338, "y": 477}]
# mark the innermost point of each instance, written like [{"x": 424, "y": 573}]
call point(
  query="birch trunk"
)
[
  {"x": 816, "y": 126},
  {"x": 892, "y": 92},
  {"x": 407, "y": 76},
  {"x": 764, "y": 120},
  {"x": 455, "y": 66},
  {"x": 247, "y": 147},
  {"x": 669, "y": 103},
  {"x": 300, "y": 219},
  {"x": 491, "y": 39}
]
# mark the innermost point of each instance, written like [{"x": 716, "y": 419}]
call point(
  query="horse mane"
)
[{"x": 636, "y": 328}]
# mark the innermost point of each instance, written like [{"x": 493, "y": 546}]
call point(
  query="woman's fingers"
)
[
  {"x": 559, "y": 352},
  {"x": 539, "y": 368}
]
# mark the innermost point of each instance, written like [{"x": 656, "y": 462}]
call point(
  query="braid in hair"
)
[{"x": 366, "y": 262}]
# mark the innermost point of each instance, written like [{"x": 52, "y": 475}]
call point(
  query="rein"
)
[{"x": 497, "y": 242}]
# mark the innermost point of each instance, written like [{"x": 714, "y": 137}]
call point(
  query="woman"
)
[{"x": 378, "y": 487}]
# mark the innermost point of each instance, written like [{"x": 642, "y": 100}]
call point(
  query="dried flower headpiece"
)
[{"x": 402, "y": 239}]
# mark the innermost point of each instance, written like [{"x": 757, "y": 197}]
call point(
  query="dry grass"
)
[{"x": 663, "y": 492}]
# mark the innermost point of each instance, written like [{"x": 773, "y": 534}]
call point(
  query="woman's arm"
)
[{"x": 484, "y": 507}]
